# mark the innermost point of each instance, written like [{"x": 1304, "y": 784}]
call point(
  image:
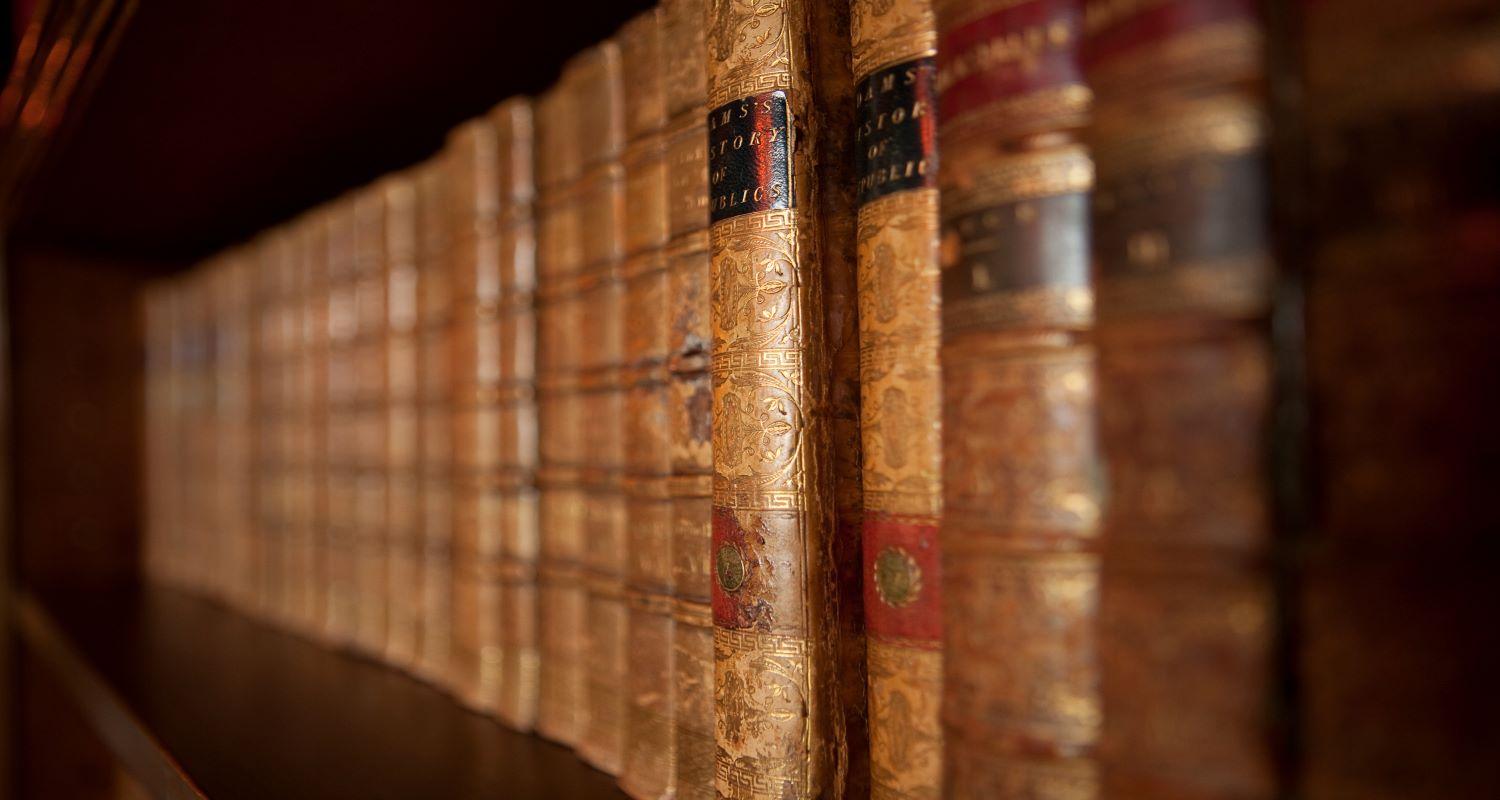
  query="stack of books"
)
[{"x": 895, "y": 398}]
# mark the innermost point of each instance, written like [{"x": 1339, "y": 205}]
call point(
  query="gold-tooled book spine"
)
[
  {"x": 473, "y": 160},
  {"x": 562, "y": 596},
  {"x": 369, "y": 415},
  {"x": 264, "y": 409},
  {"x": 435, "y": 417},
  {"x": 894, "y": 60},
  {"x": 209, "y": 578},
  {"x": 779, "y": 481},
  {"x": 1021, "y": 473},
  {"x": 690, "y": 396},
  {"x": 340, "y": 588},
  {"x": 1400, "y": 108},
  {"x": 1182, "y": 258},
  {"x": 601, "y": 193},
  {"x": 296, "y": 584},
  {"x": 276, "y": 335},
  {"x": 403, "y": 551},
  {"x": 516, "y": 636},
  {"x": 312, "y": 390},
  {"x": 647, "y": 768}
]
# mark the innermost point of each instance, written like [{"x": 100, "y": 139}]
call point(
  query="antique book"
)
[
  {"x": 369, "y": 416},
  {"x": 562, "y": 596},
  {"x": 690, "y": 397},
  {"x": 160, "y": 445},
  {"x": 304, "y": 535},
  {"x": 601, "y": 195},
  {"x": 647, "y": 769},
  {"x": 1401, "y": 266},
  {"x": 1182, "y": 257},
  {"x": 340, "y": 588},
  {"x": 472, "y": 157},
  {"x": 782, "y": 383},
  {"x": 275, "y": 343},
  {"x": 403, "y": 551},
  {"x": 1021, "y": 488},
  {"x": 435, "y": 417},
  {"x": 896, "y": 161},
  {"x": 514, "y": 481}
]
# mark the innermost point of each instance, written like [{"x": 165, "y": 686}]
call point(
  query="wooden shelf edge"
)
[{"x": 138, "y": 749}]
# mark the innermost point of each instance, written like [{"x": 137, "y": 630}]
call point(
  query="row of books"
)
[{"x": 695, "y": 416}]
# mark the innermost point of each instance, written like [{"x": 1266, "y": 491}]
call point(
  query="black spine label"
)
[
  {"x": 895, "y": 130},
  {"x": 749, "y": 164}
]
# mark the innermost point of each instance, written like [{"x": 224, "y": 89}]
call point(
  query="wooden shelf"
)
[{"x": 198, "y": 701}]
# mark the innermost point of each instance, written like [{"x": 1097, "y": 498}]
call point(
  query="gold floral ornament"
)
[{"x": 898, "y": 579}]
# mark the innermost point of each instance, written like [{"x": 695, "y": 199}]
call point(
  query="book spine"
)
[
  {"x": 157, "y": 519},
  {"x": 265, "y": 411},
  {"x": 690, "y": 395},
  {"x": 559, "y": 259},
  {"x": 896, "y": 161},
  {"x": 435, "y": 417},
  {"x": 647, "y": 767},
  {"x": 473, "y": 157},
  {"x": 1399, "y": 115},
  {"x": 307, "y": 501},
  {"x": 340, "y": 587},
  {"x": 281, "y": 335},
  {"x": 403, "y": 443},
  {"x": 779, "y": 706},
  {"x": 601, "y": 192},
  {"x": 516, "y": 700},
  {"x": 1183, "y": 269},
  {"x": 369, "y": 419},
  {"x": 296, "y": 576},
  {"x": 1021, "y": 493}
]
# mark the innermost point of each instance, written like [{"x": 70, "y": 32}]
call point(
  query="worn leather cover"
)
[
  {"x": 779, "y": 481},
  {"x": 435, "y": 417},
  {"x": 896, "y": 162},
  {"x": 1398, "y": 647},
  {"x": 560, "y": 412},
  {"x": 1021, "y": 486},
  {"x": 1182, "y": 253},
  {"x": 648, "y": 768},
  {"x": 689, "y": 412},
  {"x": 402, "y": 443}
]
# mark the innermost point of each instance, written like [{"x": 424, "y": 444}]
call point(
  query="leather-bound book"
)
[
  {"x": 472, "y": 153},
  {"x": 267, "y": 513},
  {"x": 277, "y": 337},
  {"x": 514, "y": 482},
  {"x": 895, "y": 45},
  {"x": 1021, "y": 471},
  {"x": 369, "y": 417},
  {"x": 159, "y": 439},
  {"x": 305, "y": 530},
  {"x": 779, "y": 609},
  {"x": 1398, "y": 648},
  {"x": 690, "y": 400},
  {"x": 601, "y": 199},
  {"x": 340, "y": 588},
  {"x": 562, "y": 595},
  {"x": 647, "y": 769},
  {"x": 435, "y": 418},
  {"x": 1182, "y": 271},
  {"x": 403, "y": 551},
  {"x": 231, "y": 278}
]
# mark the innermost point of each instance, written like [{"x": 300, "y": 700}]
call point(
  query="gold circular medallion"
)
[
  {"x": 730, "y": 566},
  {"x": 898, "y": 579}
]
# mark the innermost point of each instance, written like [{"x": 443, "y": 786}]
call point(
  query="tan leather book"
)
[
  {"x": 1400, "y": 269},
  {"x": 341, "y": 589},
  {"x": 1183, "y": 267},
  {"x": 896, "y": 164},
  {"x": 304, "y": 532},
  {"x": 516, "y": 420},
  {"x": 369, "y": 419},
  {"x": 1021, "y": 471},
  {"x": 601, "y": 197},
  {"x": 434, "y": 318},
  {"x": 403, "y": 540},
  {"x": 278, "y": 373},
  {"x": 267, "y": 428},
  {"x": 779, "y": 480},
  {"x": 562, "y": 597},
  {"x": 647, "y": 769},
  {"x": 689, "y": 411},
  {"x": 473, "y": 159}
]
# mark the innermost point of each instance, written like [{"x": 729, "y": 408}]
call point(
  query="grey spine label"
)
[
  {"x": 749, "y": 157},
  {"x": 895, "y": 131}
]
